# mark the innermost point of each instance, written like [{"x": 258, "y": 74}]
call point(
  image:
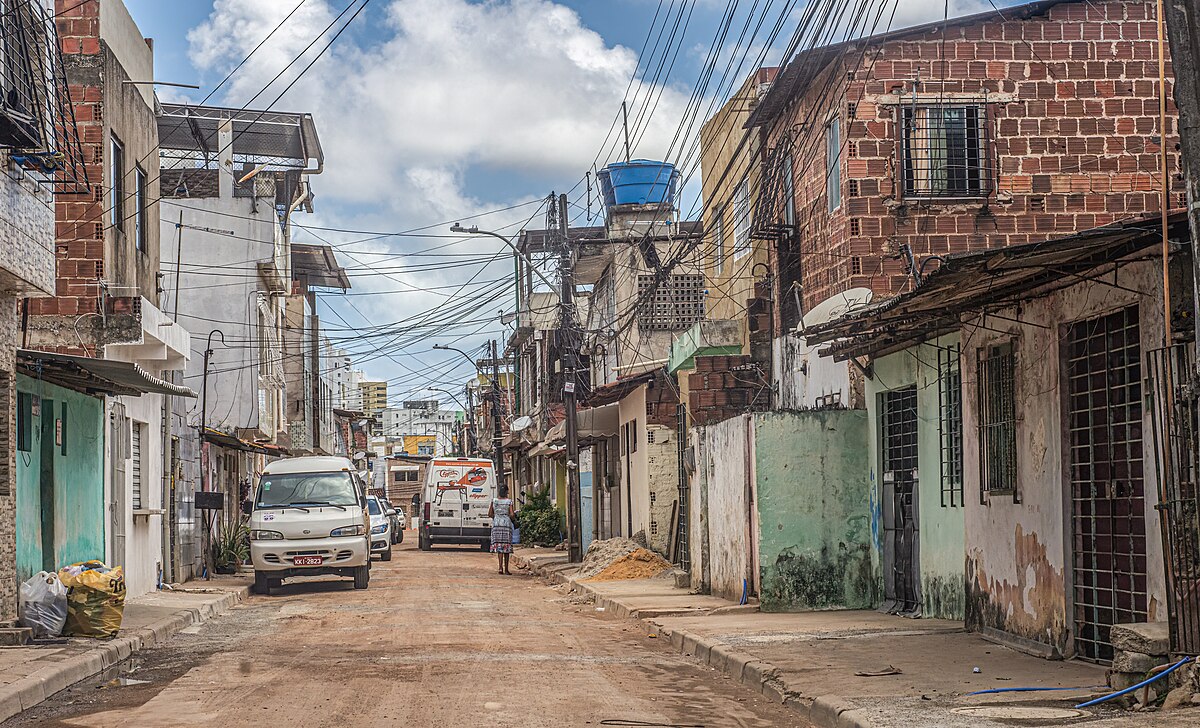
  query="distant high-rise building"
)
[
  {"x": 374, "y": 397},
  {"x": 345, "y": 381}
]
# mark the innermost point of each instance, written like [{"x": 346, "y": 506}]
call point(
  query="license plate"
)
[{"x": 307, "y": 561}]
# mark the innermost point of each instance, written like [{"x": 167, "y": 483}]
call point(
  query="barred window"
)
[
  {"x": 950, "y": 425},
  {"x": 674, "y": 303},
  {"x": 997, "y": 419},
  {"x": 945, "y": 151}
]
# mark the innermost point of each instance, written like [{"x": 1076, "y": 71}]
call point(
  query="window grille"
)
[
  {"x": 139, "y": 213},
  {"x": 855, "y": 226},
  {"x": 945, "y": 151},
  {"x": 136, "y": 465},
  {"x": 37, "y": 120},
  {"x": 997, "y": 420},
  {"x": 856, "y": 266},
  {"x": 741, "y": 220},
  {"x": 951, "y": 425},
  {"x": 675, "y": 303},
  {"x": 852, "y": 188},
  {"x": 833, "y": 164},
  {"x": 116, "y": 173}
]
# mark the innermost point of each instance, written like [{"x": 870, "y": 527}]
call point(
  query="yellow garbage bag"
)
[{"x": 95, "y": 599}]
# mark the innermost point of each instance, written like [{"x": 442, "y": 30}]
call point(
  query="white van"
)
[
  {"x": 308, "y": 516},
  {"x": 455, "y": 502}
]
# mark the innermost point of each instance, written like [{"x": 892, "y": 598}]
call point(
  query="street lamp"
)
[
  {"x": 497, "y": 436},
  {"x": 443, "y": 347}
]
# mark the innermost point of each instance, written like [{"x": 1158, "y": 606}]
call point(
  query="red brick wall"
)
[
  {"x": 80, "y": 219},
  {"x": 726, "y": 386},
  {"x": 1072, "y": 115}
]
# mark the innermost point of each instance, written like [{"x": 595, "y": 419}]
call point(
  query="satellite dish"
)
[
  {"x": 360, "y": 455},
  {"x": 836, "y": 306},
  {"x": 521, "y": 423}
]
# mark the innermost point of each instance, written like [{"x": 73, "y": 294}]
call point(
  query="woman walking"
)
[{"x": 501, "y": 514}]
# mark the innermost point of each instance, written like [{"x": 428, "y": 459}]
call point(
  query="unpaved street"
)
[{"x": 439, "y": 639}]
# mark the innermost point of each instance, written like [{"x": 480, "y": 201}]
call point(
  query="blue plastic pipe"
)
[
  {"x": 1142, "y": 684},
  {"x": 1024, "y": 690}
]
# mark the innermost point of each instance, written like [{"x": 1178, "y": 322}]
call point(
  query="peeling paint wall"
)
[
  {"x": 726, "y": 451},
  {"x": 1019, "y": 555},
  {"x": 814, "y": 509},
  {"x": 940, "y": 524}
]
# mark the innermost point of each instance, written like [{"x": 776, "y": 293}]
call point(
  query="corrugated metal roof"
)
[{"x": 95, "y": 376}]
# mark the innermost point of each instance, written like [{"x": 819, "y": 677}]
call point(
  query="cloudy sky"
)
[{"x": 436, "y": 110}]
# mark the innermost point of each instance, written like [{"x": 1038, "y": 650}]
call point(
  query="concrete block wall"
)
[
  {"x": 8, "y": 462},
  {"x": 662, "y": 458}
]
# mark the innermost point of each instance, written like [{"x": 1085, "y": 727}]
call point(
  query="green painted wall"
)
[
  {"x": 74, "y": 493},
  {"x": 814, "y": 511},
  {"x": 941, "y": 528}
]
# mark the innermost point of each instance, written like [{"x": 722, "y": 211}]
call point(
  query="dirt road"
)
[{"x": 439, "y": 639}]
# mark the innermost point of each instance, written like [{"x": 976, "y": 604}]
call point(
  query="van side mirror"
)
[{"x": 391, "y": 511}]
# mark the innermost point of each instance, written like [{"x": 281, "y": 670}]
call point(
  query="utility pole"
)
[
  {"x": 1183, "y": 29},
  {"x": 472, "y": 445},
  {"x": 497, "y": 434},
  {"x": 568, "y": 348},
  {"x": 205, "y": 479}
]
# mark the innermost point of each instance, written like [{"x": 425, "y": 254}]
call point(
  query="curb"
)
[
  {"x": 826, "y": 711},
  {"x": 23, "y": 694}
]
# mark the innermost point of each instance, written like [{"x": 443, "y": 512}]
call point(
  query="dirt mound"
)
[
  {"x": 640, "y": 564},
  {"x": 601, "y": 554}
]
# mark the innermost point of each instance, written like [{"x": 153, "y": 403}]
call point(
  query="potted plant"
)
[{"x": 231, "y": 548}]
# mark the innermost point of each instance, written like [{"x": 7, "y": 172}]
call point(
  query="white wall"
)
[
  {"x": 725, "y": 456},
  {"x": 142, "y": 556},
  {"x": 119, "y": 31},
  {"x": 227, "y": 303},
  {"x": 803, "y": 378}
]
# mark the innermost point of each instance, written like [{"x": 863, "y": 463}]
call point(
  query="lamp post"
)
[{"x": 462, "y": 444}]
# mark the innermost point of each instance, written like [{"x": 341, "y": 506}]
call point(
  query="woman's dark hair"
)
[{"x": 502, "y": 490}]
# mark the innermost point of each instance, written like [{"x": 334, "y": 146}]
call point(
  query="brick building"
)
[
  {"x": 1001, "y": 128},
  {"x": 106, "y": 307}
]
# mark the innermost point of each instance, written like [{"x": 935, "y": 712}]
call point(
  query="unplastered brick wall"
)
[
  {"x": 722, "y": 387},
  {"x": 1068, "y": 99}
]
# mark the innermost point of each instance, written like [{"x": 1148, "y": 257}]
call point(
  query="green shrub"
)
[{"x": 541, "y": 524}]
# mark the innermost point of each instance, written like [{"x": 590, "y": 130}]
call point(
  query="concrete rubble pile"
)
[{"x": 1139, "y": 651}]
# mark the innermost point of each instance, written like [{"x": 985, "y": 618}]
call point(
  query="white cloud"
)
[{"x": 405, "y": 109}]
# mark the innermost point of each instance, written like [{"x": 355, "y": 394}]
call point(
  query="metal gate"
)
[
  {"x": 1103, "y": 366},
  {"x": 901, "y": 546},
  {"x": 1175, "y": 399}
]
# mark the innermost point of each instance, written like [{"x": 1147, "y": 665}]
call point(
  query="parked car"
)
[
  {"x": 394, "y": 518},
  {"x": 402, "y": 519},
  {"x": 309, "y": 516},
  {"x": 455, "y": 501},
  {"x": 381, "y": 529}
]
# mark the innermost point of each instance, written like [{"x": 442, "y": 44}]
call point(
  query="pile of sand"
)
[
  {"x": 639, "y": 564},
  {"x": 600, "y": 554}
]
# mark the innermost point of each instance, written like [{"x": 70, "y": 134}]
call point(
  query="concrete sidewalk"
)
[
  {"x": 812, "y": 660},
  {"x": 33, "y": 673}
]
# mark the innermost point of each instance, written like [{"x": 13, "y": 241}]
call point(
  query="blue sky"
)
[{"x": 435, "y": 110}]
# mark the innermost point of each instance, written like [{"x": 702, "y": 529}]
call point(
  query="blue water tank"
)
[{"x": 639, "y": 182}]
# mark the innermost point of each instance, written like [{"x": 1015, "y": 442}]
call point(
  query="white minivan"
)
[
  {"x": 308, "y": 516},
  {"x": 455, "y": 502}
]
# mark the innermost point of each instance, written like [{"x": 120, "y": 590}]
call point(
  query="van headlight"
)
[
  {"x": 260, "y": 535},
  {"x": 381, "y": 528},
  {"x": 355, "y": 530}
]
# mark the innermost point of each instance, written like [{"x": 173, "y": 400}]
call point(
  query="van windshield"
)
[{"x": 306, "y": 489}]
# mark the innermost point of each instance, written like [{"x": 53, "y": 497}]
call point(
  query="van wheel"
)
[
  {"x": 362, "y": 576},
  {"x": 386, "y": 555},
  {"x": 262, "y": 585},
  {"x": 400, "y": 537},
  {"x": 423, "y": 542}
]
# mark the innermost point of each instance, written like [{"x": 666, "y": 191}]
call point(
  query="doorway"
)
[
  {"x": 901, "y": 548},
  {"x": 1104, "y": 384}
]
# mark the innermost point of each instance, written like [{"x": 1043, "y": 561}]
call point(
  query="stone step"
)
[{"x": 12, "y": 636}]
